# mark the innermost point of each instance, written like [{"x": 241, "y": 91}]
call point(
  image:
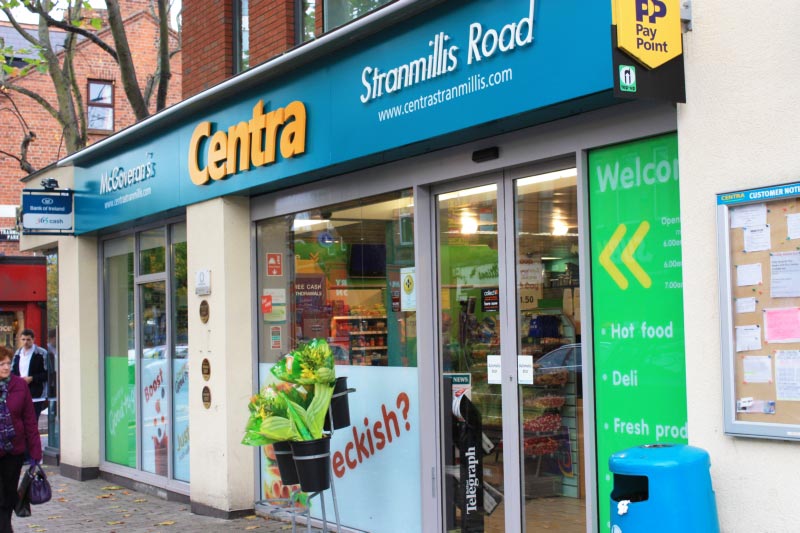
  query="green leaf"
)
[
  {"x": 315, "y": 414},
  {"x": 252, "y": 438},
  {"x": 253, "y": 423},
  {"x": 278, "y": 429},
  {"x": 297, "y": 416},
  {"x": 97, "y": 23}
]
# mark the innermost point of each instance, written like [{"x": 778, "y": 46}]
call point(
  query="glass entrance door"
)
[
  {"x": 469, "y": 354},
  {"x": 509, "y": 353}
]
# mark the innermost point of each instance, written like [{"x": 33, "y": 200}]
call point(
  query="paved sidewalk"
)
[{"x": 99, "y": 505}]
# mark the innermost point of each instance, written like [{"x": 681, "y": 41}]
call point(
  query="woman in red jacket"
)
[{"x": 19, "y": 433}]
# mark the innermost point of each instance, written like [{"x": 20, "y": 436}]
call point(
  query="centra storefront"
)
[{"x": 457, "y": 204}]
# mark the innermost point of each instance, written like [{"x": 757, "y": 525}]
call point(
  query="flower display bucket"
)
[
  {"x": 285, "y": 459},
  {"x": 340, "y": 406},
  {"x": 313, "y": 461}
]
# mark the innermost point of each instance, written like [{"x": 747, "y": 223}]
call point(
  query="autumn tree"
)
[{"x": 80, "y": 23}]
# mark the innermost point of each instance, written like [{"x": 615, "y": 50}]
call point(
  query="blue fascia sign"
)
[
  {"x": 46, "y": 211},
  {"x": 452, "y": 70}
]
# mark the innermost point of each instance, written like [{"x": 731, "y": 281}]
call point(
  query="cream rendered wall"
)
[
  {"x": 738, "y": 129},
  {"x": 222, "y": 469},
  {"x": 79, "y": 358},
  {"x": 79, "y": 334}
]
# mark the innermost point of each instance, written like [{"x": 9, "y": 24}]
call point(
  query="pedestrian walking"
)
[
  {"x": 19, "y": 435},
  {"x": 30, "y": 363}
]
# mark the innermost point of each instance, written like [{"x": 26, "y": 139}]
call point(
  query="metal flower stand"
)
[
  {"x": 282, "y": 506},
  {"x": 338, "y": 396}
]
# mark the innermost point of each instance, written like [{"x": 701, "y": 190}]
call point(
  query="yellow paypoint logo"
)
[{"x": 649, "y": 30}]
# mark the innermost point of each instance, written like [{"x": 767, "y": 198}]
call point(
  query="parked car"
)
[{"x": 556, "y": 367}]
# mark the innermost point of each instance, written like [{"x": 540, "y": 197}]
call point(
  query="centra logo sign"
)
[
  {"x": 254, "y": 142},
  {"x": 649, "y": 30},
  {"x": 119, "y": 178}
]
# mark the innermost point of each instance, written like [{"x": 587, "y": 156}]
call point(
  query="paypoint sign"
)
[{"x": 649, "y": 30}]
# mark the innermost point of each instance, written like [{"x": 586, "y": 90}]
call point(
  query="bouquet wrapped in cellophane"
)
[
  {"x": 311, "y": 363},
  {"x": 294, "y": 410},
  {"x": 269, "y": 414}
]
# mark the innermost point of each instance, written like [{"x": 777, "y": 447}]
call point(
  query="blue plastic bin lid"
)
[{"x": 640, "y": 460}]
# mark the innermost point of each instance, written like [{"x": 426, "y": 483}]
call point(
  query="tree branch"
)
[
  {"x": 35, "y": 96},
  {"x": 125, "y": 60},
  {"x": 165, "y": 72},
  {"x": 66, "y": 26}
]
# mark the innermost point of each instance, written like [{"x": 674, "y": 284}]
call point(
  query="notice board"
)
[{"x": 759, "y": 240}]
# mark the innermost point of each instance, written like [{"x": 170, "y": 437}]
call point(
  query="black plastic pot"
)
[
  {"x": 312, "y": 458},
  {"x": 285, "y": 459},
  {"x": 340, "y": 406}
]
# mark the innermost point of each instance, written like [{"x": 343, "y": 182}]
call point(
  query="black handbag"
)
[
  {"x": 39, "y": 491},
  {"x": 23, "y": 506}
]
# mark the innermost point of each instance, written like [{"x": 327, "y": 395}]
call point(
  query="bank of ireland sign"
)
[{"x": 46, "y": 211}]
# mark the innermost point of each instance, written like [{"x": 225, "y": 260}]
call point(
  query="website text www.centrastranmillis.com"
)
[
  {"x": 474, "y": 84},
  {"x": 125, "y": 198}
]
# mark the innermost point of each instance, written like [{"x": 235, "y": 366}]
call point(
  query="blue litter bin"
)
[{"x": 662, "y": 487}]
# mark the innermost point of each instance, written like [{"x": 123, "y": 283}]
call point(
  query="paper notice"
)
[
  {"x": 748, "y": 338},
  {"x": 747, "y": 275},
  {"x": 782, "y": 325},
  {"x": 757, "y": 369},
  {"x": 748, "y": 215},
  {"x": 784, "y": 274},
  {"x": 493, "y": 376},
  {"x": 525, "y": 369},
  {"x": 749, "y": 405},
  {"x": 793, "y": 226},
  {"x": 787, "y": 375},
  {"x": 756, "y": 238},
  {"x": 745, "y": 305}
]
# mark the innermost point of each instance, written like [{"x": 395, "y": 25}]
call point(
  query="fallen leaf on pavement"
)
[
  {"x": 112, "y": 487},
  {"x": 126, "y": 493},
  {"x": 61, "y": 490},
  {"x": 53, "y": 517},
  {"x": 105, "y": 496},
  {"x": 139, "y": 500},
  {"x": 250, "y": 517},
  {"x": 166, "y": 523},
  {"x": 250, "y": 528},
  {"x": 62, "y": 500},
  {"x": 115, "y": 522}
]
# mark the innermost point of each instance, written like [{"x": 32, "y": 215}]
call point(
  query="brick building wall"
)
[
  {"x": 209, "y": 31},
  {"x": 272, "y": 29},
  {"x": 90, "y": 63},
  {"x": 207, "y": 35}
]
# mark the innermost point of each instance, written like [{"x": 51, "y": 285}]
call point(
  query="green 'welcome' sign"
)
[{"x": 637, "y": 300}]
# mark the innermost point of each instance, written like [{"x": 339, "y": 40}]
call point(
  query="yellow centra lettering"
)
[
  {"x": 253, "y": 142},
  {"x": 199, "y": 176},
  {"x": 256, "y": 135},
  {"x": 273, "y": 121},
  {"x": 293, "y": 136},
  {"x": 238, "y": 137},
  {"x": 217, "y": 151}
]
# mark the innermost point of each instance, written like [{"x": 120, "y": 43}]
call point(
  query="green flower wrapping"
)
[
  {"x": 309, "y": 364},
  {"x": 269, "y": 414}
]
